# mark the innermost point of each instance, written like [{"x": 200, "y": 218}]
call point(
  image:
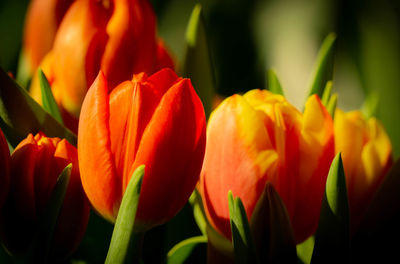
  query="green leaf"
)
[
  {"x": 197, "y": 64},
  {"x": 305, "y": 250},
  {"x": 198, "y": 211},
  {"x": 327, "y": 93},
  {"x": 332, "y": 236},
  {"x": 331, "y": 106},
  {"x": 272, "y": 230},
  {"x": 273, "y": 83},
  {"x": 242, "y": 239},
  {"x": 24, "y": 71},
  {"x": 21, "y": 115},
  {"x": 188, "y": 250},
  {"x": 40, "y": 248},
  {"x": 323, "y": 67},
  {"x": 123, "y": 234},
  {"x": 49, "y": 103},
  {"x": 376, "y": 239}
]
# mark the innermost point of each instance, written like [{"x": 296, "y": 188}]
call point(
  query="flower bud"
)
[
  {"x": 260, "y": 137},
  {"x": 367, "y": 157},
  {"x": 36, "y": 164},
  {"x": 157, "y": 121}
]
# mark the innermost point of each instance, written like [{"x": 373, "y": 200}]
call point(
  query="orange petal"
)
[
  {"x": 316, "y": 155},
  {"x": 98, "y": 173},
  {"x": 172, "y": 149}
]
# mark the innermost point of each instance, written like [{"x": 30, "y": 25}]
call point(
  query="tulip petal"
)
[
  {"x": 177, "y": 121},
  {"x": 132, "y": 105},
  {"x": 316, "y": 154},
  {"x": 66, "y": 242},
  {"x": 98, "y": 173}
]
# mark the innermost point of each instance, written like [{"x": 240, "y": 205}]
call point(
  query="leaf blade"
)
[
  {"x": 197, "y": 63},
  {"x": 323, "y": 67},
  {"x": 21, "y": 115},
  {"x": 49, "y": 103},
  {"x": 124, "y": 226},
  {"x": 332, "y": 237}
]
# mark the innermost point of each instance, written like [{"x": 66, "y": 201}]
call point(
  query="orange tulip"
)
[
  {"x": 260, "y": 137},
  {"x": 36, "y": 164},
  {"x": 115, "y": 36},
  {"x": 367, "y": 157},
  {"x": 157, "y": 121},
  {"x": 41, "y": 24},
  {"x": 4, "y": 168}
]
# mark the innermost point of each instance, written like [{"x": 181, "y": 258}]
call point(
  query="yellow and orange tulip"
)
[
  {"x": 36, "y": 164},
  {"x": 4, "y": 168},
  {"x": 41, "y": 24},
  {"x": 260, "y": 137},
  {"x": 117, "y": 37},
  {"x": 157, "y": 121},
  {"x": 367, "y": 156}
]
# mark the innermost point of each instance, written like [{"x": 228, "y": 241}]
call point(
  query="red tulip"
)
[
  {"x": 260, "y": 137},
  {"x": 4, "y": 168},
  {"x": 36, "y": 164},
  {"x": 117, "y": 37},
  {"x": 157, "y": 121}
]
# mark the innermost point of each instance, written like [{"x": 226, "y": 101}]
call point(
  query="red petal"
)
[
  {"x": 172, "y": 149},
  {"x": 99, "y": 179}
]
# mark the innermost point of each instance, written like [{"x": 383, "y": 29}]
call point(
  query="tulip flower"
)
[
  {"x": 367, "y": 157},
  {"x": 4, "y": 168},
  {"x": 41, "y": 24},
  {"x": 116, "y": 36},
  {"x": 36, "y": 164},
  {"x": 260, "y": 137},
  {"x": 157, "y": 121}
]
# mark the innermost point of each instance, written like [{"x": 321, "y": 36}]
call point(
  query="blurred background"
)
[{"x": 248, "y": 37}]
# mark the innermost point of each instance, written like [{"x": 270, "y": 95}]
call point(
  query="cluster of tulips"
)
[{"x": 114, "y": 84}]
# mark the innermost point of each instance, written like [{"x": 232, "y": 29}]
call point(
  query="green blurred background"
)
[{"x": 247, "y": 37}]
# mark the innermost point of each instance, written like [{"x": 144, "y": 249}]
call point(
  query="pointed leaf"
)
[
  {"x": 123, "y": 234},
  {"x": 197, "y": 64},
  {"x": 273, "y": 83},
  {"x": 272, "y": 229},
  {"x": 21, "y": 115},
  {"x": 188, "y": 250},
  {"x": 305, "y": 250},
  {"x": 198, "y": 211},
  {"x": 376, "y": 239},
  {"x": 49, "y": 103},
  {"x": 332, "y": 236},
  {"x": 242, "y": 239},
  {"x": 24, "y": 71},
  {"x": 41, "y": 244},
  {"x": 327, "y": 93},
  {"x": 323, "y": 67},
  {"x": 331, "y": 106}
]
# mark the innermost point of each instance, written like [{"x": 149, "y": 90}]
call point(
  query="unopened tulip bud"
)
[
  {"x": 157, "y": 121},
  {"x": 36, "y": 164}
]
